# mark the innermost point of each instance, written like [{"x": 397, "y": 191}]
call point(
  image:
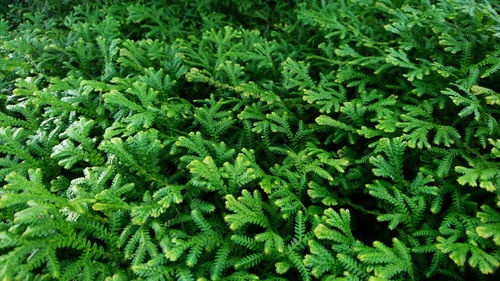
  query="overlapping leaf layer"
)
[{"x": 249, "y": 140}]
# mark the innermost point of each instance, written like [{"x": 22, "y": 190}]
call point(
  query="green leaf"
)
[
  {"x": 386, "y": 262},
  {"x": 248, "y": 209},
  {"x": 490, "y": 224}
]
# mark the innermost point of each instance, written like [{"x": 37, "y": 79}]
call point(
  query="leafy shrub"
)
[{"x": 245, "y": 140}]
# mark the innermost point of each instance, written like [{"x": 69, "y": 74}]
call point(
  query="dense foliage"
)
[{"x": 244, "y": 140}]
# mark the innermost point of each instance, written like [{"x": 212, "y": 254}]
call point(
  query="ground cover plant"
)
[{"x": 249, "y": 140}]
